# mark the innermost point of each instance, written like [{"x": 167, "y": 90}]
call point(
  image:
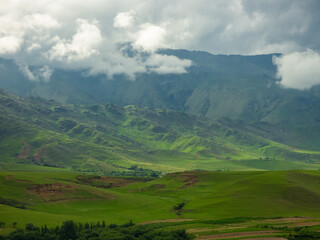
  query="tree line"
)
[{"x": 70, "y": 230}]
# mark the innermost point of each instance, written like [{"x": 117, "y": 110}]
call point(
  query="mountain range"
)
[
  {"x": 108, "y": 137},
  {"x": 227, "y": 112}
]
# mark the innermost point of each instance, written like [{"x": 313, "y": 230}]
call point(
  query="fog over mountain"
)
[{"x": 100, "y": 36}]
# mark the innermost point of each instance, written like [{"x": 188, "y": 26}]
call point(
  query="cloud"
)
[
  {"x": 11, "y": 34},
  {"x": 164, "y": 64},
  {"x": 9, "y": 44},
  {"x": 124, "y": 19},
  {"x": 82, "y": 45},
  {"x": 44, "y": 73},
  {"x": 26, "y": 71},
  {"x": 33, "y": 47},
  {"x": 87, "y": 35},
  {"x": 14, "y": 29},
  {"x": 37, "y": 74},
  {"x": 299, "y": 70},
  {"x": 150, "y": 37},
  {"x": 41, "y": 21}
]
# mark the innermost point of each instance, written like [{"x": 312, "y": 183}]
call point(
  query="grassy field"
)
[{"x": 51, "y": 198}]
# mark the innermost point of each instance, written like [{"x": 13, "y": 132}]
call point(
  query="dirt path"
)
[
  {"x": 266, "y": 238},
  {"x": 238, "y": 234},
  {"x": 198, "y": 230},
  {"x": 166, "y": 220},
  {"x": 305, "y": 224},
  {"x": 292, "y": 219}
]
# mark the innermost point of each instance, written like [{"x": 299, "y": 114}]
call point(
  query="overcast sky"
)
[{"x": 90, "y": 34}]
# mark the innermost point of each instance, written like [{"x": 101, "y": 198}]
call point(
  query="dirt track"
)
[
  {"x": 239, "y": 234},
  {"x": 292, "y": 219},
  {"x": 166, "y": 220},
  {"x": 266, "y": 238},
  {"x": 305, "y": 224}
]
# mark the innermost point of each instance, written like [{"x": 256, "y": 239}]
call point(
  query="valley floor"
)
[{"x": 210, "y": 205}]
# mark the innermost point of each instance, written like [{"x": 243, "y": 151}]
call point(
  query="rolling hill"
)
[
  {"x": 52, "y": 198},
  {"x": 106, "y": 138}
]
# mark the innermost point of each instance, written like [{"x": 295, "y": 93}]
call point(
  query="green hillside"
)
[
  {"x": 112, "y": 138},
  {"x": 240, "y": 88},
  {"x": 52, "y": 198}
]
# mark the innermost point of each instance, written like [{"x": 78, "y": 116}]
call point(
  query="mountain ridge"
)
[
  {"x": 242, "y": 88},
  {"x": 110, "y": 137}
]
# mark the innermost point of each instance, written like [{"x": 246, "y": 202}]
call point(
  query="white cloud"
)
[
  {"x": 33, "y": 47},
  {"x": 26, "y": 71},
  {"x": 124, "y": 19},
  {"x": 11, "y": 34},
  {"x": 14, "y": 29},
  {"x": 82, "y": 45},
  {"x": 45, "y": 73},
  {"x": 41, "y": 21},
  {"x": 164, "y": 64},
  {"x": 150, "y": 37},
  {"x": 37, "y": 74},
  {"x": 300, "y": 70},
  {"x": 9, "y": 44}
]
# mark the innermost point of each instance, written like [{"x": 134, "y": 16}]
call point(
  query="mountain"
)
[
  {"x": 242, "y": 89},
  {"x": 114, "y": 138}
]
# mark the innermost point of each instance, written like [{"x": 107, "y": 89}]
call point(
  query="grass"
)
[{"x": 207, "y": 196}]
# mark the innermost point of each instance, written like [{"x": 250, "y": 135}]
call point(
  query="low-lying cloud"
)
[
  {"x": 37, "y": 74},
  {"x": 299, "y": 70},
  {"x": 164, "y": 64}
]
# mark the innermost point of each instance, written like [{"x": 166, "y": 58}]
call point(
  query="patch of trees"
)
[
  {"x": 12, "y": 203},
  {"x": 296, "y": 233},
  {"x": 304, "y": 235},
  {"x": 136, "y": 172},
  {"x": 95, "y": 231},
  {"x": 179, "y": 208}
]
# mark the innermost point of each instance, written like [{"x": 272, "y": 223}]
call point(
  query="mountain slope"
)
[
  {"x": 110, "y": 137},
  {"x": 242, "y": 88}
]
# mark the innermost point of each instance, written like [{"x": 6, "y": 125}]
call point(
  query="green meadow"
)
[{"x": 53, "y": 197}]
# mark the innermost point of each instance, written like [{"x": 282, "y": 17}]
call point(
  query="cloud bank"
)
[
  {"x": 300, "y": 70},
  {"x": 92, "y": 34}
]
